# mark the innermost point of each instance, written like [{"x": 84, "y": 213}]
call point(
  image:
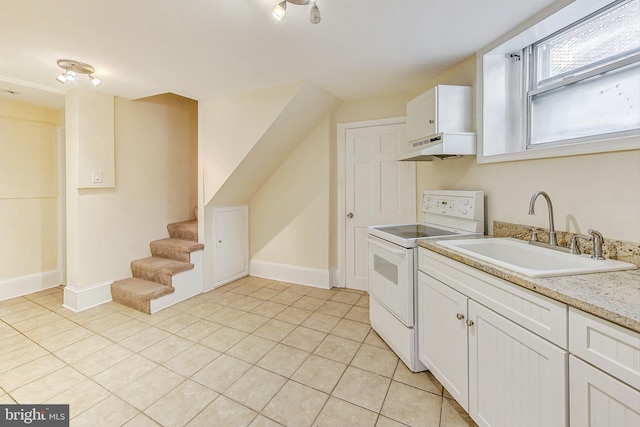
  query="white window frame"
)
[{"x": 502, "y": 111}]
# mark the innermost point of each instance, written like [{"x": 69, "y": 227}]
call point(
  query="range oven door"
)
[{"x": 391, "y": 278}]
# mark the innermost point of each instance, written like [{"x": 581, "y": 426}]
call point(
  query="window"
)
[
  {"x": 584, "y": 79},
  {"x": 577, "y": 85}
]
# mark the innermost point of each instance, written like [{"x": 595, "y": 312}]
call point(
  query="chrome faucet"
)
[{"x": 552, "y": 229}]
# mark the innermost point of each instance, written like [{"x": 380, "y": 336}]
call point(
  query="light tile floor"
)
[{"x": 254, "y": 353}]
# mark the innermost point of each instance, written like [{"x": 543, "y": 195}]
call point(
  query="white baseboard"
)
[
  {"x": 23, "y": 285},
  {"x": 291, "y": 273},
  {"x": 92, "y": 296}
]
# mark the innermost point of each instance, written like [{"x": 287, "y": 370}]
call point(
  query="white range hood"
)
[
  {"x": 439, "y": 124},
  {"x": 441, "y": 146}
]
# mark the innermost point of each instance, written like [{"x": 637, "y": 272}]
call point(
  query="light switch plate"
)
[{"x": 96, "y": 176}]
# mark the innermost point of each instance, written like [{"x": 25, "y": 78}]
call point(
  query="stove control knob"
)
[
  {"x": 466, "y": 202},
  {"x": 464, "y": 211}
]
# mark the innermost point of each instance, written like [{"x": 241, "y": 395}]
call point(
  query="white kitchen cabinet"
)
[
  {"x": 442, "y": 336},
  {"x": 516, "y": 378},
  {"x": 498, "y": 369},
  {"x": 443, "y": 108},
  {"x": 231, "y": 244},
  {"x": 612, "y": 348},
  {"x": 604, "y": 372},
  {"x": 599, "y": 400}
]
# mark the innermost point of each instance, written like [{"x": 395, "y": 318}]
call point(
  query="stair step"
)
[
  {"x": 178, "y": 249},
  {"x": 186, "y": 230},
  {"x": 158, "y": 269},
  {"x": 137, "y": 293}
]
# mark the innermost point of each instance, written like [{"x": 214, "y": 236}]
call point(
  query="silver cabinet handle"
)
[
  {"x": 350, "y": 215},
  {"x": 460, "y": 316},
  {"x": 469, "y": 322}
]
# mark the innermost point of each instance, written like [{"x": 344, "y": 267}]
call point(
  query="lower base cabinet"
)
[
  {"x": 599, "y": 400},
  {"x": 511, "y": 357},
  {"x": 515, "y": 377},
  {"x": 443, "y": 340},
  {"x": 499, "y": 372}
]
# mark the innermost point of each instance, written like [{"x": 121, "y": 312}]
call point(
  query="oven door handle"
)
[{"x": 400, "y": 252}]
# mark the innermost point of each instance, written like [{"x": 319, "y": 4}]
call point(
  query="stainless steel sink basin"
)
[{"x": 530, "y": 260}]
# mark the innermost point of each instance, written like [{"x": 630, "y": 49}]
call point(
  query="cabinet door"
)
[
  {"x": 421, "y": 116},
  {"x": 442, "y": 335},
  {"x": 231, "y": 254},
  {"x": 599, "y": 400},
  {"x": 515, "y": 377}
]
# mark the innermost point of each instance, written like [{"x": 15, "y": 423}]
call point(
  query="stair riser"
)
[
  {"x": 136, "y": 304},
  {"x": 151, "y": 275},
  {"x": 133, "y": 294},
  {"x": 162, "y": 251},
  {"x": 183, "y": 233}
]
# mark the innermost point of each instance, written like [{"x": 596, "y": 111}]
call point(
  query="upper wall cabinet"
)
[{"x": 443, "y": 108}]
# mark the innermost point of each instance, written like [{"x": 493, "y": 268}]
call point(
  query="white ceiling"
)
[{"x": 203, "y": 49}]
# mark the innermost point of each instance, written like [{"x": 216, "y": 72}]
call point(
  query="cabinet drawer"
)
[
  {"x": 541, "y": 315},
  {"x": 610, "y": 347}
]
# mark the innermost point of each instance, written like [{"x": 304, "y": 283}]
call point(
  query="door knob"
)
[
  {"x": 350, "y": 215},
  {"x": 469, "y": 322},
  {"x": 460, "y": 316}
]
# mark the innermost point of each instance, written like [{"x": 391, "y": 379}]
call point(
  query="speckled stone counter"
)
[{"x": 612, "y": 296}]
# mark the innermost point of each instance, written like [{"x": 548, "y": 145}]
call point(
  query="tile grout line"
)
[{"x": 247, "y": 309}]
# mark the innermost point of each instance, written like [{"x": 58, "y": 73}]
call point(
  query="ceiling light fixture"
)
[
  {"x": 72, "y": 68},
  {"x": 280, "y": 9}
]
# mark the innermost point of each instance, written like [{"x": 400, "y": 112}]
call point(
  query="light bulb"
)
[
  {"x": 315, "y": 14},
  {"x": 279, "y": 11},
  {"x": 70, "y": 75},
  {"x": 61, "y": 78},
  {"x": 94, "y": 80}
]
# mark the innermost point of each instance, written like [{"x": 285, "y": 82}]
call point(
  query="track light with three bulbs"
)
[
  {"x": 281, "y": 9},
  {"x": 73, "y": 68}
]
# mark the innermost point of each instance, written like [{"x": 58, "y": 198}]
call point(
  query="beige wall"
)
[
  {"x": 289, "y": 214},
  {"x": 28, "y": 190},
  {"x": 231, "y": 126},
  {"x": 293, "y": 216},
  {"x": 155, "y": 184}
]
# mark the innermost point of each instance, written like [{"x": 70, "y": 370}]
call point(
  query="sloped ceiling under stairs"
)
[{"x": 245, "y": 139}]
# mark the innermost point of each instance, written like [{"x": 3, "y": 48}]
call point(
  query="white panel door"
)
[
  {"x": 231, "y": 252},
  {"x": 378, "y": 190},
  {"x": 516, "y": 378}
]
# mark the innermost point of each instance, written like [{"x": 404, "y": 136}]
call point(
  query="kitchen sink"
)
[{"x": 530, "y": 260}]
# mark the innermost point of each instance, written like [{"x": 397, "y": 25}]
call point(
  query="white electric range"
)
[{"x": 393, "y": 265}]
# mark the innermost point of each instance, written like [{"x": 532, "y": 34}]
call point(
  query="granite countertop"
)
[{"x": 614, "y": 296}]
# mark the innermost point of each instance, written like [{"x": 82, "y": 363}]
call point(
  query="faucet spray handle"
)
[
  {"x": 597, "y": 244},
  {"x": 534, "y": 233}
]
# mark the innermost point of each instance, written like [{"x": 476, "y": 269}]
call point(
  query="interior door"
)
[
  {"x": 378, "y": 190},
  {"x": 231, "y": 252}
]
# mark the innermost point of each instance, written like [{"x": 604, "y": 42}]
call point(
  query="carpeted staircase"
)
[{"x": 153, "y": 277}]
